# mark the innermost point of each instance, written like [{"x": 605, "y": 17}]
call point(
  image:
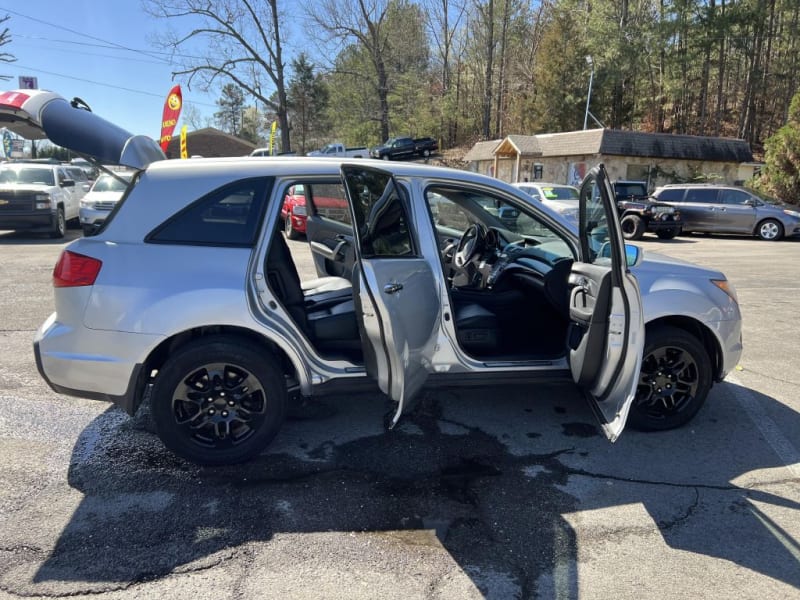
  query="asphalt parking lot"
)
[{"x": 500, "y": 494}]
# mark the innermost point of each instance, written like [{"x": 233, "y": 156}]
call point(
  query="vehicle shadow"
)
[
  {"x": 37, "y": 239},
  {"x": 491, "y": 483}
]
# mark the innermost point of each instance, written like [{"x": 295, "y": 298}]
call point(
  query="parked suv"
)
[
  {"x": 639, "y": 213},
  {"x": 38, "y": 196},
  {"x": 713, "y": 208},
  {"x": 189, "y": 295}
]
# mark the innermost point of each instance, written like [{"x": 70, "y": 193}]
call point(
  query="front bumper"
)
[
  {"x": 92, "y": 216},
  {"x": 34, "y": 221},
  {"x": 661, "y": 222}
]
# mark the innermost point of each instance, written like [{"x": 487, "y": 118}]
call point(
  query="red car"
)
[{"x": 293, "y": 212}]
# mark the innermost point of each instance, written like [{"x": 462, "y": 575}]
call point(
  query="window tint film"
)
[
  {"x": 229, "y": 216},
  {"x": 733, "y": 196},
  {"x": 671, "y": 194},
  {"x": 330, "y": 202},
  {"x": 381, "y": 217},
  {"x": 701, "y": 195}
]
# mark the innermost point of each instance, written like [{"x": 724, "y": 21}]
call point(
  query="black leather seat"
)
[
  {"x": 326, "y": 317},
  {"x": 476, "y": 328}
]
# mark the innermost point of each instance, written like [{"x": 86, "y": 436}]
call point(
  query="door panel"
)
[
  {"x": 396, "y": 287},
  {"x": 606, "y": 335},
  {"x": 332, "y": 247}
]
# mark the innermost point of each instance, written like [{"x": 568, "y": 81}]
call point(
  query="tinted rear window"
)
[
  {"x": 701, "y": 195},
  {"x": 670, "y": 194},
  {"x": 229, "y": 216}
]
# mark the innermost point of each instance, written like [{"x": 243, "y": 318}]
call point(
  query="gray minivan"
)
[{"x": 730, "y": 209}]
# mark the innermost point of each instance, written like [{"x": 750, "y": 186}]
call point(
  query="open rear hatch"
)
[{"x": 39, "y": 114}]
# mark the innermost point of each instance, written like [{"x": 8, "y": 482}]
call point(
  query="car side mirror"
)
[{"x": 632, "y": 253}]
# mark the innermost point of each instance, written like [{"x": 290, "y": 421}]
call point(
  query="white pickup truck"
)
[{"x": 338, "y": 149}]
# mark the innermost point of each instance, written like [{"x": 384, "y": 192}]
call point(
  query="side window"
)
[
  {"x": 701, "y": 195},
  {"x": 446, "y": 214},
  {"x": 381, "y": 216},
  {"x": 330, "y": 202},
  {"x": 671, "y": 194},
  {"x": 229, "y": 216},
  {"x": 728, "y": 196}
]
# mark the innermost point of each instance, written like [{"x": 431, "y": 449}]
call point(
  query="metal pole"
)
[{"x": 588, "y": 96}]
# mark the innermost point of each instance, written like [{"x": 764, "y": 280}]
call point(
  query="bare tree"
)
[
  {"x": 362, "y": 21},
  {"x": 5, "y": 38},
  {"x": 241, "y": 41}
]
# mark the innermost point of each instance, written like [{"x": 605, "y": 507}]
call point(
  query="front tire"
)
[
  {"x": 769, "y": 230},
  {"x": 219, "y": 401},
  {"x": 632, "y": 227},
  {"x": 385, "y": 157},
  {"x": 60, "y": 227},
  {"x": 426, "y": 153},
  {"x": 674, "y": 380},
  {"x": 667, "y": 234}
]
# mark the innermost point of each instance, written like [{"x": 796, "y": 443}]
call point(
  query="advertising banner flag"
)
[
  {"x": 184, "y": 153},
  {"x": 272, "y": 136},
  {"x": 172, "y": 111}
]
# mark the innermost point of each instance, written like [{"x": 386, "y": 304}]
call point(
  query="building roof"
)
[
  {"x": 620, "y": 143},
  {"x": 482, "y": 151},
  {"x": 210, "y": 142}
]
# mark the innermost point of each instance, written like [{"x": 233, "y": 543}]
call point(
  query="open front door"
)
[
  {"x": 606, "y": 336},
  {"x": 394, "y": 286}
]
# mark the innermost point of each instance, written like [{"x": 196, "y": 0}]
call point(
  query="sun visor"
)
[{"x": 84, "y": 132}]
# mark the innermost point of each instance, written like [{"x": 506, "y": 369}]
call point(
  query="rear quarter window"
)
[{"x": 228, "y": 216}]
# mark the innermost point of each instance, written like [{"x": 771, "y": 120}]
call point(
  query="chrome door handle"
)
[{"x": 392, "y": 288}]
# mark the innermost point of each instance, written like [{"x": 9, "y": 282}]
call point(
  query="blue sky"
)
[{"x": 75, "y": 48}]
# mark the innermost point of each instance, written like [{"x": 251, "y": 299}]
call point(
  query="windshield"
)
[
  {"x": 560, "y": 193},
  {"x": 107, "y": 183},
  {"x": 36, "y": 175}
]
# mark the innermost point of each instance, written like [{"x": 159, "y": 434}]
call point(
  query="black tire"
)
[
  {"x": 426, "y": 153},
  {"x": 674, "y": 380},
  {"x": 667, "y": 234},
  {"x": 88, "y": 230},
  {"x": 769, "y": 230},
  {"x": 289, "y": 229},
  {"x": 632, "y": 227},
  {"x": 60, "y": 227},
  {"x": 385, "y": 157},
  {"x": 219, "y": 401}
]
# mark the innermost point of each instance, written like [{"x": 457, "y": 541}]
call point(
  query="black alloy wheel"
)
[
  {"x": 667, "y": 234},
  {"x": 219, "y": 401},
  {"x": 674, "y": 380}
]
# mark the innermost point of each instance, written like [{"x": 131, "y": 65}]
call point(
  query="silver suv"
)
[
  {"x": 712, "y": 208},
  {"x": 189, "y": 295}
]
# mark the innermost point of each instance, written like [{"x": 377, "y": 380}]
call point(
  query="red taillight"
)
[{"x": 73, "y": 270}]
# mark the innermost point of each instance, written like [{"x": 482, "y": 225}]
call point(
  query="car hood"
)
[
  {"x": 40, "y": 114},
  {"x": 660, "y": 264}
]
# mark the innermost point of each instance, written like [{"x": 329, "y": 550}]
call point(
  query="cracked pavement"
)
[{"x": 509, "y": 493}]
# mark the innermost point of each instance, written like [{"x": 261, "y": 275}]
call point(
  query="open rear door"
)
[
  {"x": 395, "y": 288},
  {"x": 606, "y": 336}
]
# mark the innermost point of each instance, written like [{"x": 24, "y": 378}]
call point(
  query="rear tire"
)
[
  {"x": 289, "y": 229},
  {"x": 219, "y": 400},
  {"x": 769, "y": 230},
  {"x": 674, "y": 380},
  {"x": 60, "y": 226},
  {"x": 632, "y": 227}
]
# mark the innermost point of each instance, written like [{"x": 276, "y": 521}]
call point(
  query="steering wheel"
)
[{"x": 471, "y": 242}]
